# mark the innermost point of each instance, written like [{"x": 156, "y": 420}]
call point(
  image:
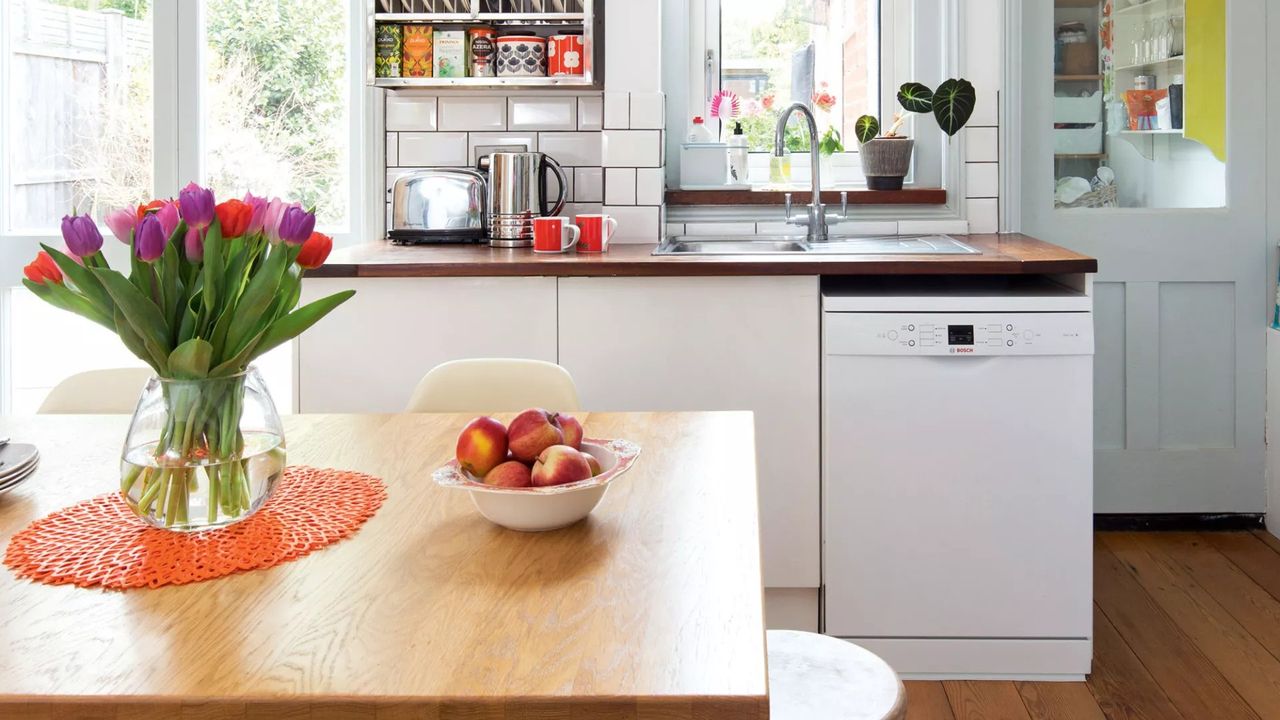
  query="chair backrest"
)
[
  {"x": 97, "y": 392},
  {"x": 494, "y": 385}
]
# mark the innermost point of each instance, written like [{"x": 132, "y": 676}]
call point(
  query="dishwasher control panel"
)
[{"x": 1060, "y": 333}]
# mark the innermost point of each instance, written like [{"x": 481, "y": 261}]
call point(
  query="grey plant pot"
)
[{"x": 886, "y": 161}]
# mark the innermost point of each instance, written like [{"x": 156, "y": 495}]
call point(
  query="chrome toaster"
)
[{"x": 442, "y": 205}]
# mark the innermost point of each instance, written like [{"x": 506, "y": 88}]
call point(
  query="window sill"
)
[{"x": 906, "y": 196}]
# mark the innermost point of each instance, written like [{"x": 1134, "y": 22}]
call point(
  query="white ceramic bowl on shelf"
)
[{"x": 549, "y": 508}]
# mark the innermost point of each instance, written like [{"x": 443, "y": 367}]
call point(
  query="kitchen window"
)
[
  {"x": 843, "y": 58},
  {"x": 105, "y": 103}
]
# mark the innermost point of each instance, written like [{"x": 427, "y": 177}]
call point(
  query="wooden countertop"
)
[
  {"x": 649, "y": 608},
  {"x": 1001, "y": 255}
]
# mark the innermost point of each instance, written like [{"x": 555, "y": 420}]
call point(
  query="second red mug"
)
[
  {"x": 597, "y": 231},
  {"x": 554, "y": 235}
]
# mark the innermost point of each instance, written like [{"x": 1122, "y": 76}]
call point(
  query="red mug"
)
[
  {"x": 554, "y": 235},
  {"x": 597, "y": 231}
]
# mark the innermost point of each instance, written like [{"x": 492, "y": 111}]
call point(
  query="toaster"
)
[{"x": 440, "y": 205}]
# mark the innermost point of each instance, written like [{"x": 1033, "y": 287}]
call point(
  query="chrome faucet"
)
[{"x": 816, "y": 219}]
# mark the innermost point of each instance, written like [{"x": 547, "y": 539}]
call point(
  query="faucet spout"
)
[{"x": 817, "y": 220}]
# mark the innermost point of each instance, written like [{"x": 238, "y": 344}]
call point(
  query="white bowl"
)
[{"x": 549, "y": 508}]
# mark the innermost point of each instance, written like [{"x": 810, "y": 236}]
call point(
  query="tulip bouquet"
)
[{"x": 211, "y": 286}]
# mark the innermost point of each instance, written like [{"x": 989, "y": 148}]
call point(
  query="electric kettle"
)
[{"x": 518, "y": 194}]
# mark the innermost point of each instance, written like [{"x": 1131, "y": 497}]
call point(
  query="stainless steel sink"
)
[{"x": 837, "y": 245}]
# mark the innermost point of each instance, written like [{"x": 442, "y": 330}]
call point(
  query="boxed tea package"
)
[
  {"x": 388, "y": 51},
  {"x": 450, "y": 53},
  {"x": 417, "y": 51}
]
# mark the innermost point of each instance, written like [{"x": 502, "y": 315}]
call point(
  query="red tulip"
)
[
  {"x": 315, "y": 251},
  {"x": 153, "y": 205},
  {"x": 43, "y": 269},
  {"x": 234, "y": 216}
]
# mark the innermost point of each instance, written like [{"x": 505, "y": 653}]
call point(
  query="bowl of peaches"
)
[{"x": 538, "y": 473}]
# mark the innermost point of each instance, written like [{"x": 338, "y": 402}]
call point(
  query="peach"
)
[
  {"x": 572, "y": 431},
  {"x": 593, "y": 462},
  {"x": 531, "y": 432},
  {"x": 558, "y": 465},
  {"x": 511, "y": 474},
  {"x": 482, "y": 446}
]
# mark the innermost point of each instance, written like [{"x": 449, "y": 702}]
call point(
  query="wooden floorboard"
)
[{"x": 1186, "y": 627}]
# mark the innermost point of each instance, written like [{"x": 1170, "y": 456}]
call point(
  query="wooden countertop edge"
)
[{"x": 906, "y": 196}]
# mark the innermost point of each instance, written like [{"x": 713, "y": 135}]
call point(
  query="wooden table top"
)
[
  {"x": 650, "y": 608},
  {"x": 1008, "y": 254}
]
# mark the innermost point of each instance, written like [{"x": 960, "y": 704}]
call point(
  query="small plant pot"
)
[{"x": 886, "y": 162}]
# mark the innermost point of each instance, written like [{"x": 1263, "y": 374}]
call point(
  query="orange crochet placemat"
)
[{"x": 101, "y": 543}]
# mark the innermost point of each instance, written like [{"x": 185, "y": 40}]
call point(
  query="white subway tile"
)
[
  {"x": 408, "y": 112},
  {"x": 393, "y": 149},
  {"x": 650, "y": 186},
  {"x": 588, "y": 185},
  {"x": 571, "y": 148},
  {"x": 982, "y": 180},
  {"x": 529, "y": 113},
  {"x": 473, "y": 114},
  {"x": 525, "y": 141},
  {"x": 720, "y": 228},
  {"x": 929, "y": 227},
  {"x": 647, "y": 111},
  {"x": 620, "y": 186},
  {"x": 632, "y": 148},
  {"x": 636, "y": 224},
  {"x": 983, "y": 61},
  {"x": 633, "y": 46},
  {"x": 983, "y": 214},
  {"x": 439, "y": 149},
  {"x": 575, "y": 209},
  {"x": 591, "y": 113},
  {"x": 617, "y": 110},
  {"x": 982, "y": 144}
]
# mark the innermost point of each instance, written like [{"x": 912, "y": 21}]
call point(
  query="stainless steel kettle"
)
[{"x": 518, "y": 194}]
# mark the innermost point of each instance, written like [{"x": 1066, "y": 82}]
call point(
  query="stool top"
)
[{"x": 816, "y": 677}]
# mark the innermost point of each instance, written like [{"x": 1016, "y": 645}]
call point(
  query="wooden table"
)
[{"x": 650, "y": 608}]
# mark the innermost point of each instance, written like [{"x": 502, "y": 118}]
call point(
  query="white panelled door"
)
[{"x": 1181, "y": 294}]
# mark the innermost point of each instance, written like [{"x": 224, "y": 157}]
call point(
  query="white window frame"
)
[
  {"x": 912, "y": 48},
  {"x": 178, "y": 41}
]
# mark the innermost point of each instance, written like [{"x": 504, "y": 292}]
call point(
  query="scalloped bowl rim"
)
[{"x": 622, "y": 453}]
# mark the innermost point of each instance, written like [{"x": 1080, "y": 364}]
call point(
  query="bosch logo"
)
[{"x": 962, "y": 350}]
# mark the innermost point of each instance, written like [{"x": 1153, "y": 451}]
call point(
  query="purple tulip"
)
[
  {"x": 194, "y": 245},
  {"x": 196, "y": 204},
  {"x": 168, "y": 217},
  {"x": 122, "y": 222},
  {"x": 81, "y": 234},
  {"x": 150, "y": 239},
  {"x": 271, "y": 220},
  {"x": 259, "y": 217},
  {"x": 296, "y": 225}
]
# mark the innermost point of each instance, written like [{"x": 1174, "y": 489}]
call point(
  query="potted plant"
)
[{"x": 886, "y": 158}]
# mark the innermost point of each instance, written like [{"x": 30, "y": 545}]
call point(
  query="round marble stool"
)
[{"x": 816, "y": 677}]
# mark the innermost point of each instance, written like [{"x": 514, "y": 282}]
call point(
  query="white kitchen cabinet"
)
[
  {"x": 369, "y": 354},
  {"x": 712, "y": 343}
]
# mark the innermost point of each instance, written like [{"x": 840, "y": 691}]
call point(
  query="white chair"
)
[
  {"x": 816, "y": 677},
  {"x": 494, "y": 385},
  {"x": 97, "y": 392}
]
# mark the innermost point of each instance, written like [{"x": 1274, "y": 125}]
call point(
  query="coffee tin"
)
[{"x": 481, "y": 48}]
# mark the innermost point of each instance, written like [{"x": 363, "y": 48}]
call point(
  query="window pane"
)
[
  {"x": 824, "y": 53},
  {"x": 275, "y": 102},
  {"x": 79, "y": 114},
  {"x": 1139, "y": 107}
]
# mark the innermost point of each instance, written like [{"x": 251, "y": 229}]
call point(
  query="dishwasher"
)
[{"x": 958, "y": 474}]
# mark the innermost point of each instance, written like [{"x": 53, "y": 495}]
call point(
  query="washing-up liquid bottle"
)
[{"x": 739, "y": 155}]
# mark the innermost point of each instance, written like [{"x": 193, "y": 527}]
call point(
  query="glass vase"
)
[{"x": 202, "y": 454}]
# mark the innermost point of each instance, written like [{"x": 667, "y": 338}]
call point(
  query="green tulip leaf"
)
[
  {"x": 866, "y": 129},
  {"x": 298, "y": 321},
  {"x": 83, "y": 280},
  {"x": 135, "y": 344},
  {"x": 255, "y": 301},
  {"x": 139, "y": 311},
  {"x": 915, "y": 97},
  {"x": 953, "y": 104},
  {"x": 213, "y": 266},
  {"x": 191, "y": 360}
]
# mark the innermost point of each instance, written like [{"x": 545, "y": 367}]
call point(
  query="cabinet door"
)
[
  {"x": 636, "y": 344},
  {"x": 369, "y": 354}
]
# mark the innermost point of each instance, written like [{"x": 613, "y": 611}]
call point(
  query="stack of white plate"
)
[{"x": 17, "y": 463}]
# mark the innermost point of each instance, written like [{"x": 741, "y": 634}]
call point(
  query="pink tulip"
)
[
  {"x": 168, "y": 217},
  {"x": 272, "y": 218},
  {"x": 259, "y": 217},
  {"x": 193, "y": 244},
  {"x": 122, "y": 222}
]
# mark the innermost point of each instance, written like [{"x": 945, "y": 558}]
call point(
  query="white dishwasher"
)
[{"x": 958, "y": 474}]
